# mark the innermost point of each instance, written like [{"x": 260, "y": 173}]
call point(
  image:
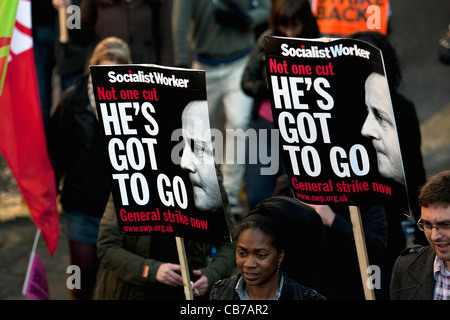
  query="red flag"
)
[{"x": 22, "y": 135}]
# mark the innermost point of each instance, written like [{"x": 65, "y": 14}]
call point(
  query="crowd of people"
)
[{"x": 281, "y": 247}]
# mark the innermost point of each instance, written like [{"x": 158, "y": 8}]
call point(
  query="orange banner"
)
[{"x": 344, "y": 17}]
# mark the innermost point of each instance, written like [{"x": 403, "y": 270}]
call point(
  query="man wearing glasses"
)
[{"x": 423, "y": 273}]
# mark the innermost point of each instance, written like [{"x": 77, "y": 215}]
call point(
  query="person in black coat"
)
[
  {"x": 409, "y": 136},
  {"x": 288, "y": 18},
  {"x": 80, "y": 161}
]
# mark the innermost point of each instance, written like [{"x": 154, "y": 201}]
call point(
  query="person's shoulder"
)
[
  {"x": 304, "y": 293},
  {"x": 226, "y": 281},
  {"x": 414, "y": 250},
  {"x": 261, "y": 38},
  {"x": 224, "y": 289},
  {"x": 411, "y": 254},
  {"x": 76, "y": 94}
]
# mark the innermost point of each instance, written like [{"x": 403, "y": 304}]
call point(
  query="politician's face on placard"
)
[
  {"x": 198, "y": 157},
  {"x": 380, "y": 127}
]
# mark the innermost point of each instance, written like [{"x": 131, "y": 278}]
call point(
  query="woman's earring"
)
[{"x": 279, "y": 266}]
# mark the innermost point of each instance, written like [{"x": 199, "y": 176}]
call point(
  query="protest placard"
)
[
  {"x": 338, "y": 138},
  {"x": 156, "y": 128},
  {"x": 344, "y": 17},
  {"x": 331, "y": 103}
]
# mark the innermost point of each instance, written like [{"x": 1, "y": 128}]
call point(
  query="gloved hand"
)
[{"x": 233, "y": 16}]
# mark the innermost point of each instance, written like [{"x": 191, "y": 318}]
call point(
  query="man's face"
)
[
  {"x": 438, "y": 239},
  {"x": 380, "y": 127},
  {"x": 198, "y": 158}
]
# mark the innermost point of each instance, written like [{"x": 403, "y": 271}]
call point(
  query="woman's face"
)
[
  {"x": 292, "y": 30},
  {"x": 256, "y": 258}
]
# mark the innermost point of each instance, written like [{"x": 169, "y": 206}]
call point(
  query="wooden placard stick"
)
[
  {"x": 184, "y": 268},
  {"x": 63, "y": 32},
  {"x": 361, "y": 249}
]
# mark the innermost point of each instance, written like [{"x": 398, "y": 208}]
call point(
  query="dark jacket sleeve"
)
[
  {"x": 123, "y": 261},
  {"x": 254, "y": 79},
  {"x": 55, "y": 142},
  {"x": 222, "y": 264},
  {"x": 375, "y": 230}
]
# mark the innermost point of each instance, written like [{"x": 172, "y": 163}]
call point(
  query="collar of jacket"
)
[{"x": 421, "y": 273}]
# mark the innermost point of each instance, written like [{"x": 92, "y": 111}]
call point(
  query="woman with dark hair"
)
[
  {"x": 263, "y": 252},
  {"x": 287, "y": 18},
  {"x": 293, "y": 18},
  {"x": 79, "y": 158}
]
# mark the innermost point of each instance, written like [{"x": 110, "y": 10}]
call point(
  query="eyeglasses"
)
[{"x": 442, "y": 227}]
